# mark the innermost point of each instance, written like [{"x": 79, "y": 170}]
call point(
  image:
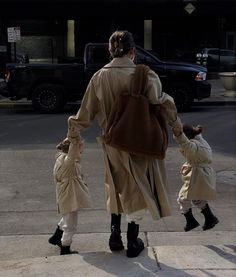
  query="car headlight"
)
[
  {"x": 198, "y": 55},
  {"x": 201, "y": 76}
]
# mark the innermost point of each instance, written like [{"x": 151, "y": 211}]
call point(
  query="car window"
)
[
  {"x": 98, "y": 55},
  {"x": 144, "y": 57},
  {"x": 213, "y": 52}
]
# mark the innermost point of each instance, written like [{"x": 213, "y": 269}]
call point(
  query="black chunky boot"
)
[
  {"x": 115, "y": 241},
  {"x": 191, "y": 222},
  {"x": 135, "y": 244},
  {"x": 55, "y": 239},
  {"x": 210, "y": 219},
  {"x": 65, "y": 250}
]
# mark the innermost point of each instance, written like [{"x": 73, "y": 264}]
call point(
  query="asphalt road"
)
[{"x": 25, "y": 129}]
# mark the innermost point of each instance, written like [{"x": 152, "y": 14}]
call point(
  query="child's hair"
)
[
  {"x": 64, "y": 145},
  {"x": 191, "y": 131}
]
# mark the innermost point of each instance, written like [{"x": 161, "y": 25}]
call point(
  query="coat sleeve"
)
[
  {"x": 87, "y": 111},
  {"x": 187, "y": 146},
  {"x": 74, "y": 151},
  {"x": 157, "y": 96}
]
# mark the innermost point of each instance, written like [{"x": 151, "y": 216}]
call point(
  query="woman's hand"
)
[{"x": 73, "y": 128}]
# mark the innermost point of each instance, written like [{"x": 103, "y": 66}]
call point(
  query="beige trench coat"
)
[
  {"x": 198, "y": 176},
  {"x": 72, "y": 192},
  {"x": 132, "y": 183}
]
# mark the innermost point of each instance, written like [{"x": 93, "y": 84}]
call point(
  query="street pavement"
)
[{"x": 169, "y": 251}]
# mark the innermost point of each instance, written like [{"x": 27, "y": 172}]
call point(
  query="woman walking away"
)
[
  {"x": 71, "y": 191},
  {"x": 134, "y": 184},
  {"x": 198, "y": 176}
]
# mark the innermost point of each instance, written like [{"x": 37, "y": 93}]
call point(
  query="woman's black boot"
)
[
  {"x": 210, "y": 219},
  {"x": 191, "y": 222},
  {"x": 55, "y": 239},
  {"x": 135, "y": 244},
  {"x": 115, "y": 241},
  {"x": 65, "y": 250}
]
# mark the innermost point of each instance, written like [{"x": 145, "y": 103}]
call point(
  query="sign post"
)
[{"x": 13, "y": 35}]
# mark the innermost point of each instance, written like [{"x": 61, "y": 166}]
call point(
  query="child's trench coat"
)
[
  {"x": 132, "y": 182},
  {"x": 72, "y": 192},
  {"x": 198, "y": 176}
]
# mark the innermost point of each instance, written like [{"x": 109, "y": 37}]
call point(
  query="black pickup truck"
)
[{"x": 51, "y": 86}]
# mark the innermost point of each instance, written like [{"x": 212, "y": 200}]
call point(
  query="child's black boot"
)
[
  {"x": 210, "y": 219},
  {"x": 135, "y": 244},
  {"x": 191, "y": 222},
  {"x": 55, "y": 239},
  {"x": 115, "y": 241},
  {"x": 65, "y": 250}
]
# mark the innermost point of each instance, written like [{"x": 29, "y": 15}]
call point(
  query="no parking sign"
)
[{"x": 13, "y": 34}]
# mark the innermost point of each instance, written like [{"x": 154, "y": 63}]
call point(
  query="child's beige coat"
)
[
  {"x": 198, "y": 176},
  {"x": 72, "y": 192}
]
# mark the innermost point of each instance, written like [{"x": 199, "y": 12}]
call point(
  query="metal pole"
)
[{"x": 14, "y": 51}]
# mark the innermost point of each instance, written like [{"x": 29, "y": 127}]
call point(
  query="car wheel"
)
[
  {"x": 48, "y": 98},
  {"x": 182, "y": 96}
]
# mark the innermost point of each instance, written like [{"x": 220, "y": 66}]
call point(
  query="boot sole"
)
[
  {"x": 54, "y": 243},
  {"x": 115, "y": 248},
  {"x": 193, "y": 227},
  {"x": 210, "y": 226},
  {"x": 131, "y": 254}
]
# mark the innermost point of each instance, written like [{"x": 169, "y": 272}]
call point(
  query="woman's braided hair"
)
[{"x": 120, "y": 43}]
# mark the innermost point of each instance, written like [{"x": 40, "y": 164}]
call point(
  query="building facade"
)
[{"x": 53, "y": 29}]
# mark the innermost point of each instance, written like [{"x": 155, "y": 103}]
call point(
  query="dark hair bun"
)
[{"x": 120, "y": 43}]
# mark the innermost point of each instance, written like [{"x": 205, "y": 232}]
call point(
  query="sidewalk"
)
[
  {"x": 219, "y": 96},
  {"x": 95, "y": 259}
]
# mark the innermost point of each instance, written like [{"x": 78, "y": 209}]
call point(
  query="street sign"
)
[
  {"x": 13, "y": 34},
  {"x": 189, "y": 8}
]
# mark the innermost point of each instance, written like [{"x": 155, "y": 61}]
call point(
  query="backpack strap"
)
[{"x": 140, "y": 79}]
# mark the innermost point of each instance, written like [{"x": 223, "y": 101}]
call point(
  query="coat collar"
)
[{"x": 120, "y": 62}]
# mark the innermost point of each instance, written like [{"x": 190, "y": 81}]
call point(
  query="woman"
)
[{"x": 133, "y": 184}]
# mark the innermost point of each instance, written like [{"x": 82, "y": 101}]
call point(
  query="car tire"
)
[
  {"x": 48, "y": 98},
  {"x": 182, "y": 96}
]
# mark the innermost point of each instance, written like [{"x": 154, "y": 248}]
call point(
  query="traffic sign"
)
[{"x": 13, "y": 34}]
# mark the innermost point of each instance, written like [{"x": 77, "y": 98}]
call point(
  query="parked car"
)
[
  {"x": 50, "y": 86},
  {"x": 216, "y": 59}
]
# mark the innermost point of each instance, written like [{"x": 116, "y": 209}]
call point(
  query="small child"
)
[
  {"x": 72, "y": 192},
  {"x": 198, "y": 176}
]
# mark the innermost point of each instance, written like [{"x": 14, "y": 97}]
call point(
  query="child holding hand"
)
[
  {"x": 198, "y": 176},
  {"x": 72, "y": 193}
]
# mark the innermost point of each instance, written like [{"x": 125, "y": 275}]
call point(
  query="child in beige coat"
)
[
  {"x": 198, "y": 176},
  {"x": 72, "y": 192}
]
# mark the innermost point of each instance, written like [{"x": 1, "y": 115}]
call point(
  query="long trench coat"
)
[
  {"x": 132, "y": 182},
  {"x": 198, "y": 176},
  {"x": 72, "y": 192}
]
